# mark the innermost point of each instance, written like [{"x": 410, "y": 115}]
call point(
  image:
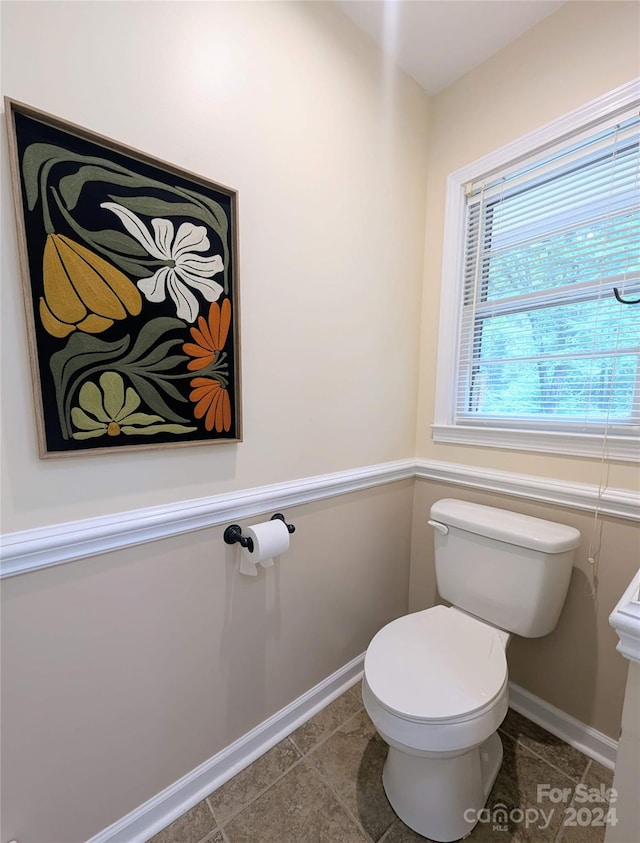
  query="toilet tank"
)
[{"x": 509, "y": 569}]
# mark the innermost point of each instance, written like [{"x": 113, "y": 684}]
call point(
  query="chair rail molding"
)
[
  {"x": 56, "y": 544},
  {"x": 620, "y": 503},
  {"x": 43, "y": 547}
]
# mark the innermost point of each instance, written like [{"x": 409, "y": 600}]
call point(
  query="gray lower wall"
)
[{"x": 124, "y": 672}]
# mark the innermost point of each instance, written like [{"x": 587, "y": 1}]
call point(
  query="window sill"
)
[{"x": 618, "y": 448}]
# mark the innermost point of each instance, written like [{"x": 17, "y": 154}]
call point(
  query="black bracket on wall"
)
[{"x": 233, "y": 534}]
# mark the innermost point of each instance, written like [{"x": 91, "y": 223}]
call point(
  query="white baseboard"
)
[
  {"x": 155, "y": 814},
  {"x": 595, "y": 744}
]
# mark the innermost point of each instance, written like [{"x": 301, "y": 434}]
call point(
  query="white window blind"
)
[{"x": 543, "y": 342}]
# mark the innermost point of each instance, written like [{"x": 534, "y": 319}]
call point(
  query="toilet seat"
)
[{"x": 436, "y": 666}]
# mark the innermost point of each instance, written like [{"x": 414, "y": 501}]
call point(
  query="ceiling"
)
[{"x": 438, "y": 41}]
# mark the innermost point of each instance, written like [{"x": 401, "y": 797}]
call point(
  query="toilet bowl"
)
[
  {"x": 435, "y": 682},
  {"x": 435, "y": 687}
]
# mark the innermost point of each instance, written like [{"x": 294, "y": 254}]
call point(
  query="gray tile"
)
[
  {"x": 351, "y": 761},
  {"x": 235, "y": 794},
  {"x": 356, "y": 691},
  {"x": 579, "y": 832},
  {"x": 567, "y": 759},
  {"x": 586, "y": 820},
  {"x": 598, "y": 776},
  {"x": 320, "y": 726},
  {"x": 283, "y": 799},
  {"x": 298, "y": 808},
  {"x": 400, "y": 833},
  {"x": 191, "y": 827}
]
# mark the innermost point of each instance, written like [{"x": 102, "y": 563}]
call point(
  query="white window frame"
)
[{"x": 624, "y": 447}]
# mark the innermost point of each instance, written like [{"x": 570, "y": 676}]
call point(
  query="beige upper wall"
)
[
  {"x": 290, "y": 104},
  {"x": 331, "y": 164},
  {"x": 582, "y": 51}
]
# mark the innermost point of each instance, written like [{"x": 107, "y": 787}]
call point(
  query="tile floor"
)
[{"x": 323, "y": 784}]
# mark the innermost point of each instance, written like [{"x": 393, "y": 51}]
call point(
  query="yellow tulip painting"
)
[
  {"x": 81, "y": 290},
  {"x": 130, "y": 275}
]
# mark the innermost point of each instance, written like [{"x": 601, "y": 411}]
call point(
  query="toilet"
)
[{"x": 435, "y": 682}]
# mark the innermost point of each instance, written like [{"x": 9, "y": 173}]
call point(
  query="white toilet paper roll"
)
[{"x": 270, "y": 539}]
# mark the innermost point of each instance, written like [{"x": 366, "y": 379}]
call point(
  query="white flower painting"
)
[{"x": 184, "y": 267}]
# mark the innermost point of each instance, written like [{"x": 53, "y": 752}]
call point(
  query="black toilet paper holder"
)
[{"x": 233, "y": 533}]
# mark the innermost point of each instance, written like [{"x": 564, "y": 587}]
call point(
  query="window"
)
[{"x": 536, "y": 352}]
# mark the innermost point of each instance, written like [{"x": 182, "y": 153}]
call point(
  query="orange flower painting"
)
[
  {"x": 210, "y": 395},
  {"x": 212, "y": 402},
  {"x": 209, "y": 337}
]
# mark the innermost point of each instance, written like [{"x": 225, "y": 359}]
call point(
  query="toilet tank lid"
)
[{"x": 506, "y": 526}]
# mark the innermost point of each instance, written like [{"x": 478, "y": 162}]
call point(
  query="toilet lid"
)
[{"x": 438, "y": 664}]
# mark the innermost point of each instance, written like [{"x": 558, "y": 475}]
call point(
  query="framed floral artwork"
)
[{"x": 130, "y": 278}]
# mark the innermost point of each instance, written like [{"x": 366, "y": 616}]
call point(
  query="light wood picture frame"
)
[{"x": 130, "y": 279}]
